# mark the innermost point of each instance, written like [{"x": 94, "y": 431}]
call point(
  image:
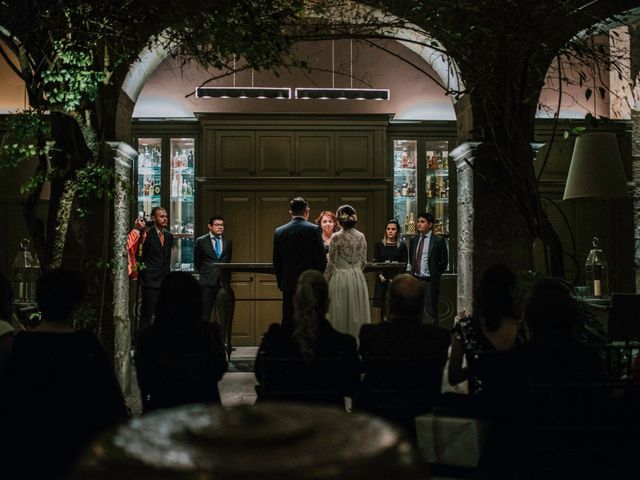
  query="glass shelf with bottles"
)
[
  {"x": 437, "y": 184},
  {"x": 182, "y": 193},
  {"x": 405, "y": 181},
  {"x": 149, "y": 167}
]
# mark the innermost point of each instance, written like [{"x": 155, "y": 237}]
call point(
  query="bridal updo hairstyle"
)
[{"x": 347, "y": 216}]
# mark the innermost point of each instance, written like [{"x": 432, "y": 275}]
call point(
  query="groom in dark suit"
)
[
  {"x": 211, "y": 249},
  {"x": 429, "y": 259},
  {"x": 297, "y": 246},
  {"x": 154, "y": 262}
]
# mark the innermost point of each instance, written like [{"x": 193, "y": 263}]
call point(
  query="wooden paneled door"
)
[{"x": 250, "y": 220}]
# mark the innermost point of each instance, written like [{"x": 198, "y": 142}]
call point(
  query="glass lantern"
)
[
  {"x": 24, "y": 274},
  {"x": 597, "y": 272}
]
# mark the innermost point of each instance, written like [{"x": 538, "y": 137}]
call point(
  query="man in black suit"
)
[
  {"x": 297, "y": 246},
  {"x": 154, "y": 262},
  {"x": 403, "y": 359},
  {"x": 429, "y": 259},
  {"x": 211, "y": 249}
]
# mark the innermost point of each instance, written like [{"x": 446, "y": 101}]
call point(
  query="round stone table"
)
[{"x": 270, "y": 441}]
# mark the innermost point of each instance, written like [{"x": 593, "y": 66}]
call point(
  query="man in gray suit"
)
[
  {"x": 297, "y": 246},
  {"x": 210, "y": 250},
  {"x": 429, "y": 259}
]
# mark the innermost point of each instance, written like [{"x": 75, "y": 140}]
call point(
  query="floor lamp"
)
[{"x": 596, "y": 172}]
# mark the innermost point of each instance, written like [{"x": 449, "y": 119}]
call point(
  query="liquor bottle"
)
[
  {"x": 190, "y": 159},
  {"x": 411, "y": 224},
  {"x": 404, "y": 190},
  {"x": 445, "y": 159},
  {"x": 183, "y": 189},
  {"x": 156, "y": 189},
  {"x": 174, "y": 187},
  {"x": 411, "y": 190},
  {"x": 404, "y": 161},
  {"x": 396, "y": 192}
]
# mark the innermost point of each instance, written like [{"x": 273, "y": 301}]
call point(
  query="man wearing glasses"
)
[{"x": 210, "y": 250}]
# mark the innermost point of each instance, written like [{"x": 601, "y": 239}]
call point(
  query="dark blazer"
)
[
  {"x": 156, "y": 259},
  {"x": 205, "y": 260},
  {"x": 415, "y": 348},
  {"x": 438, "y": 255},
  {"x": 278, "y": 342},
  {"x": 389, "y": 339},
  {"x": 297, "y": 246}
]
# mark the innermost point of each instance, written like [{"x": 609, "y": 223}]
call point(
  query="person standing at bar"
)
[
  {"x": 211, "y": 249},
  {"x": 429, "y": 259},
  {"x": 154, "y": 262},
  {"x": 297, "y": 246}
]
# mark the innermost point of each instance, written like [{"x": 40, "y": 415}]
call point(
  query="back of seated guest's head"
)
[
  {"x": 310, "y": 304},
  {"x": 179, "y": 305},
  {"x": 58, "y": 293},
  {"x": 493, "y": 299},
  {"x": 405, "y": 300},
  {"x": 550, "y": 312}
]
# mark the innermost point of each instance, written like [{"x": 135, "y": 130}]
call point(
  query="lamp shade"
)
[{"x": 596, "y": 169}]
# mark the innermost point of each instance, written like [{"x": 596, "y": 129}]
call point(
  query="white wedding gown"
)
[{"x": 348, "y": 292}]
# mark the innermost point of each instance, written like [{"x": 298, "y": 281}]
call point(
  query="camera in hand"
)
[{"x": 147, "y": 223}]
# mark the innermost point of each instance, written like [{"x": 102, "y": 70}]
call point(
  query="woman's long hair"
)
[
  {"x": 494, "y": 297},
  {"x": 310, "y": 306}
]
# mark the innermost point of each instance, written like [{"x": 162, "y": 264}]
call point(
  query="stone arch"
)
[{"x": 152, "y": 56}]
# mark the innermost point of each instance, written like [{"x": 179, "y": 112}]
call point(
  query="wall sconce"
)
[
  {"x": 244, "y": 92},
  {"x": 341, "y": 94},
  {"x": 596, "y": 169}
]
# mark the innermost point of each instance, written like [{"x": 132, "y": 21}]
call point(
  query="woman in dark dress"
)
[
  {"x": 389, "y": 249},
  {"x": 493, "y": 328},
  {"x": 180, "y": 358},
  {"x": 311, "y": 336}
]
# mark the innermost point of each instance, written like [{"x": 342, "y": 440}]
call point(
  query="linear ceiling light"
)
[
  {"x": 342, "y": 94},
  {"x": 243, "y": 92}
]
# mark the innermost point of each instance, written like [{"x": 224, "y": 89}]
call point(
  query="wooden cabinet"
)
[
  {"x": 294, "y": 146},
  {"x": 354, "y": 154},
  {"x": 235, "y": 153}
]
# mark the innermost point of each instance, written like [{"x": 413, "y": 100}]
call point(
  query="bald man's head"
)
[{"x": 405, "y": 299}]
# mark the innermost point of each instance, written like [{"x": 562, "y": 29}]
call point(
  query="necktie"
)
[
  {"x": 218, "y": 247},
  {"x": 419, "y": 255},
  {"x": 161, "y": 236}
]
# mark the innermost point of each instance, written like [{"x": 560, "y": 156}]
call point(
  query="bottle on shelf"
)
[
  {"x": 174, "y": 187},
  {"x": 404, "y": 160},
  {"x": 183, "y": 188},
  {"x": 156, "y": 189},
  {"x": 411, "y": 224},
  {"x": 190, "y": 159},
  {"x": 404, "y": 190},
  {"x": 411, "y": 190}
]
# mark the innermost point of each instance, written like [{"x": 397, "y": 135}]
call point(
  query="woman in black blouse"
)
[{"x": 389, "y": 249}]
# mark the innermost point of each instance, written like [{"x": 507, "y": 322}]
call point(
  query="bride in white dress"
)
[{"x": 348, "y": 293}]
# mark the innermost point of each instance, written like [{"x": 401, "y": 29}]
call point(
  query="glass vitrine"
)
[
  {"x": 405, "y": 181},
  {"x": 181, "y": 204},
  {"x": 421, "y": 183},
  {"x": 149, "y": 184}
]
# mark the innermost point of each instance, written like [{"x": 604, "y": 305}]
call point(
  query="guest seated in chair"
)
[
  {"x": 553, "y": 362},
  {"x": 291, "y": 361},
  {"x": 58, "y": 387},
  {"x": 181, "y": 357},
  {"x": 403, "y": 359}
]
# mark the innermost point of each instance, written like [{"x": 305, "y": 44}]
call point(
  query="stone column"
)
[
  {"x": 490, "y": 230},
  {"x": 635, "y": 192},
  {"x": 123, "y": 155}
]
